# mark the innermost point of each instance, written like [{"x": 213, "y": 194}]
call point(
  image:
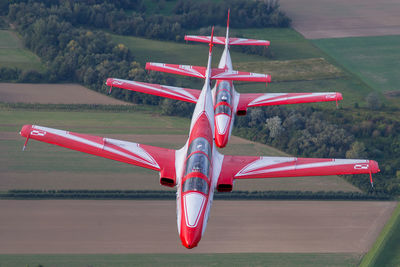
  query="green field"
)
[
  {"x": 45, "y": 166},
  {"x": 386, "y": 249},
  {"x": 12, "y": 53},
  {"x": 373, "y": 59},
  {"x": 146, "y": 50},
  {"x": 237, "y": 259},
  {"x": 296, "y": 66}
]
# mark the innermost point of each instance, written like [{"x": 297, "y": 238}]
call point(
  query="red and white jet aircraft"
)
[
  {"x": 227, "y": 101},
  {"x": 197, "y": 169}
]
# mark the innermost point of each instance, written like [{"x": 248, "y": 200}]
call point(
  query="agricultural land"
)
[
  {"x": 13, "y": 53},
  {"x": 353, "y": 50}
]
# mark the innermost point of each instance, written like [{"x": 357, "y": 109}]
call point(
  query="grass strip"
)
[{"x": 380, "y": 244}]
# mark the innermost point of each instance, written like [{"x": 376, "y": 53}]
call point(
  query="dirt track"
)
[
  {"x": 343, "y": 18},
  {"x": 86, "y": 226},
  {"x": 53, "y": 93}
]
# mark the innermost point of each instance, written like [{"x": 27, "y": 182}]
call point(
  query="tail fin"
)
[
  {"x": 227, "y": 31},
  {"x": 211, "y": 44}
]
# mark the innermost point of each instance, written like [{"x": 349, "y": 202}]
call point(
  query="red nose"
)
[
  {"x": 189, "y": 241},
  {"x": 221, "y": 139}
]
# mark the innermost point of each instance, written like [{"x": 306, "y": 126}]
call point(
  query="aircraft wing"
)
[
  {"x": 216, "y": 73},
  {"x": 248, "y": 167},
  {"x": 221, "y": 40},
  {"x": 178, "y": 93},
  {"x": 150, "y": 157},
  {"x": 268, "y": 99}
]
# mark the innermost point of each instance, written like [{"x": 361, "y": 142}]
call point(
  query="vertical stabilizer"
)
[
  {"x": 208, "y": 71},
  {"x": 227, "y": 31}
]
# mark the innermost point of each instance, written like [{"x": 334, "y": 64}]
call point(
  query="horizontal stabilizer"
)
[
  {"x": 216, "y": 73},
  {"x": 221, "y": 40}
]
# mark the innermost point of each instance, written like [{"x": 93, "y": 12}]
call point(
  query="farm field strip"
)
[
  {"x": 373, "y": 59},
  {"x": 12, "y": 53},
  {"x": 118, "y": 226},
  {"x": 54, "y": 94},
  {"x": 385, "y": 251},
  {"x": 172, "y": 260},
  {"x": 326, "y": 19}
]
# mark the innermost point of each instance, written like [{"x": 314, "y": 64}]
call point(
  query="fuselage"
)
[
  {"x": 198, "y": 166},
  {"x": 194, "y": 190},
  {"x": 225, "y": 103}
]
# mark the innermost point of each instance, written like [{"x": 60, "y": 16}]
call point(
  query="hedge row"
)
[
  {"x": 155, "y": 194},
  {"x": 74, "y": 107}
]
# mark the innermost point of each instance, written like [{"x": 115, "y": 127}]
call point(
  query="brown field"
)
[
  {"x": 53, "y": 93},
  {"x": 100, "y": 226},
  {"x": 342, "y": 18}
]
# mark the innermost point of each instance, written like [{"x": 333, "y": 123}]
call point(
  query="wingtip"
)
[
  {"x": 109, "y": 81},
  {"x": 148, "y": 64},
  {"x": 25, "y": 130},
  {"x": 339, "y": 96},
  {"x": 374, "y": 166}
]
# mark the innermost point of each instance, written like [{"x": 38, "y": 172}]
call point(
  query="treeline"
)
[
  {"x": 74, "y": 54},
  {"x": 311, "y": 132},
  {"x": 171, "y": 195},
  {"x": 131, "y": 18}
]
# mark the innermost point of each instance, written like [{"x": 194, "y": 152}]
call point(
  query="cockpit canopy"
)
[
  {"x": 195, "y": 184},
  {"x": 223, "y": 109},
  {"x": 200, "y": 144},
  {"x": 198, "y": 162},
  {"x": 224, "y": 96}
]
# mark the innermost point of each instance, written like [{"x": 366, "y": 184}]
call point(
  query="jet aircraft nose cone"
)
[
  {"x": 221, "y": 140},
  {"x": 189, "y": 242}
]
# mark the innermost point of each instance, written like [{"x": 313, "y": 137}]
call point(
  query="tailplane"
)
[{"x": 226, "y": 40}]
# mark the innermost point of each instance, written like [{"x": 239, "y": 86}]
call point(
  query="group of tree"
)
[{"x": 130, "y": 16}]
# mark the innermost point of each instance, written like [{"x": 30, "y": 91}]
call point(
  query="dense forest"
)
[{"x": 63, "y": 35}]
